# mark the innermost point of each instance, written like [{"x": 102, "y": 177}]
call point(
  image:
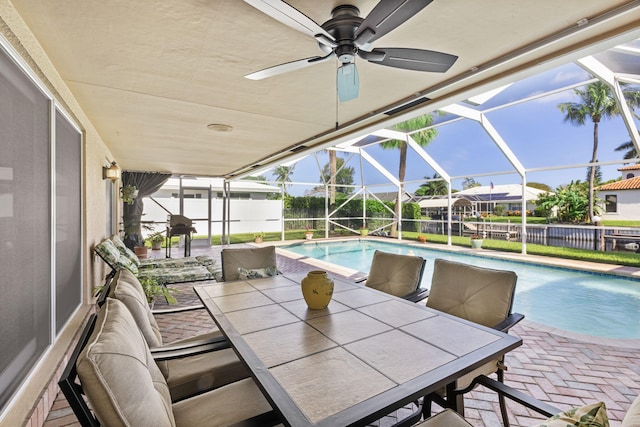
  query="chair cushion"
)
[
  {"x": 118, "y": 374},
  {"x": 395, "y": 274},
  {"x": 177, "y": 275},
  {"x": 169, "y": 262},
  {"x": 112, "y": 256},
  {"x": 594, "y": 415},
  {"x": 481, "y": 295},
  {"x": 124, "y": 250},
  {"x": 222, "y": 407},
  {"x": 446, "y": 418},
  {"x": 256, "y": 273},
  {"x": 632, "y": 418},
  {"x": 249, "y": 258}
]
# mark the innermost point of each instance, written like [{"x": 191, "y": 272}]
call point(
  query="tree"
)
[
  {"x": 283, "y": 175},
  {"x": 432, "y": 188},
  {"x": 422, "y": 138},
  {"x": 539, "y": 186},
  {"x": 570, "y": 202},
  {"x": 629, "y": 149},
  {"x": 596, "y": 103},
  {"x": 470, "y": 183},
  {"x": 343, "y": 176},
  {"x": 597, "y": 180}
]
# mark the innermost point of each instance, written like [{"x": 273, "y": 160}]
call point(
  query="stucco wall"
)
[
  {"x": 34, "y": 395},
  {"x": 628, "y": 204}
]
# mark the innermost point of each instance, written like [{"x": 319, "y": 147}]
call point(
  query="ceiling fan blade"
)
[
  {"x": 292, "y": 17},
  {"x": 286, "y": 67},
  {"x": 386, "y": 16},
  {"x": 410, "y": 59}
]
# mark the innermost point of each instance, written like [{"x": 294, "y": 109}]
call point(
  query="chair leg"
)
[
  {"x": 501, "y": 400},
  {"x": 426, "y": 407}
]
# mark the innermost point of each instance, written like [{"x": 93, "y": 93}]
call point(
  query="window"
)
[
  {"x": 611, "y": 203},
  {"x": 629, "y": 175}
]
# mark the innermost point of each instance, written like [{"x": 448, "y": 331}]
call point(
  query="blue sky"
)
[{"x": 535, "y": 131}]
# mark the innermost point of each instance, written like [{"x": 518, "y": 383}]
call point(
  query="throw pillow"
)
[
  {"x": 256, "y": 273},
  {"x": 594, "y": 415}
]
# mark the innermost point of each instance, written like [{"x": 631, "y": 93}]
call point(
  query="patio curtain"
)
[{"x": 147, "y": 183}]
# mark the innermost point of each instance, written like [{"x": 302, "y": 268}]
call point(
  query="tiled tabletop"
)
[{"x": 366, "y": 353}]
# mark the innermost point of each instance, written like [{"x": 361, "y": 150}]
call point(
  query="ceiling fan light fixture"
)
[{"x": 348, "y": 82}]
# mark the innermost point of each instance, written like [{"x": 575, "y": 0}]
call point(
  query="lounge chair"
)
[
  {"x": 113, "y": 367},
  {"x": 483, "y": 296}
]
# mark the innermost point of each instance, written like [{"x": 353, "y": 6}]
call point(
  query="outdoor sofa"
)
[{"x": 165, "y": 270}]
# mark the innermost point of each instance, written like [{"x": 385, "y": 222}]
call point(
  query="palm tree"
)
[
  {"x": 432, "y": 188},
  {"x": 596, "y": 102},
  {"x": 629, "y": 149},
  {"x": 422, "y": 137},
  {"x": 341, "y": 180},
  {"x": 282, "y": 174}
]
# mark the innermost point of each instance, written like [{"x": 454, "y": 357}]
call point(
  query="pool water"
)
[{"x": 576, "y": 301}]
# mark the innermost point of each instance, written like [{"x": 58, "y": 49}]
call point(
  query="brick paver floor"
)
[{"x": 560, "y": 370}]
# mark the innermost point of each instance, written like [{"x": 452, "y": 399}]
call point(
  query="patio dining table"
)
[{"x": 364, "y": 356}]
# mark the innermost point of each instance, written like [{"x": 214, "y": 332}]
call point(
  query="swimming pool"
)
[{"x": 575, "y": 301}]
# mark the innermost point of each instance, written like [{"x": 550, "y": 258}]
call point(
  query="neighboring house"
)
[{"x": 621, "y": 199}]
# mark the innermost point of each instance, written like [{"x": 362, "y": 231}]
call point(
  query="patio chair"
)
[
  {"x": 483, "y": 296},
  {"x": 207, "y": 362},
  {"x": 251, "y": 262},
  {"x": 588, "y": 415},
  {"x": 112, "y": 367},
  {"x": 398, "y": 275}
]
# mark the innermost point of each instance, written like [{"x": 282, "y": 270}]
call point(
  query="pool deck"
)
[{"x": 562, "y": 368}]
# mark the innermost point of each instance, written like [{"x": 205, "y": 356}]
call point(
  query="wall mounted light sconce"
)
[{"x": 112, "y": 172}]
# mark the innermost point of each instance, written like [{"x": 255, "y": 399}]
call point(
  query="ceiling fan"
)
[{"x": 347, "y": 35}]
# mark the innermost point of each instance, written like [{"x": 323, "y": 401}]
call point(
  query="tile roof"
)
[
  {"x": 630, "y": 167},
  {"x": 625, "y": 184}
]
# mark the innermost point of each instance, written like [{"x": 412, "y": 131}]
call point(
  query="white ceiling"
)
[{"x": 152, "y": 75}]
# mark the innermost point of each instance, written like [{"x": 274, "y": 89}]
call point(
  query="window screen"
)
[
  {"x": 68, "y": 221},
  {"x": 25, "y": 216}
]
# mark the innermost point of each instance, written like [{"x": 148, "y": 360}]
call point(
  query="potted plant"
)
[
  {"x": 476, "y": 241},
  {"x": 128, "y": 193},
  {"x": 364, "y": 230},
  {"x": 308, "y": 234},
  {"x": 153, "y": 289},
  {"x": 258, "y": 237},
  {"x": 156, "y": 240},
  {"x": 422, "y": 238}
]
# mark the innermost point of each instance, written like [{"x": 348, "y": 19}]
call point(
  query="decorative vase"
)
[
  {"x": 476, "y": 243},
  {"x": 317, "y": 289}
]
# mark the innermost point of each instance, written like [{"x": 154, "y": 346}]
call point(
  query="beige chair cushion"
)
[
  {"x": 481, "y": 295},
  {"x": 188, "y": 375},
  {"x": 632, "y": 418},
  {"x": 446, "y": 418},
  {"x": 395, "y": 274},
  {"x": 118, "y": 374},
  {"x": 221, "y": 407},
  {"x": 249, "y": 258}
]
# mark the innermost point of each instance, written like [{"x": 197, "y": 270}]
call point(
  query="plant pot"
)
[
  {"x": 476, "y": 243},
  {"x": 308, "y": 236},
  {"x": 364, "y": 232},
  {"x": 141, "y": 251},
  {"x": 156, "y": 246},
  {"x": 422, "y": 239},
  {"x": 258, "y": 240},
  {"x": 317, "y": 289}
]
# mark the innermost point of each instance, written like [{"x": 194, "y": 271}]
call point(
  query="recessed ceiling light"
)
[{"x": 220, "y": 127}]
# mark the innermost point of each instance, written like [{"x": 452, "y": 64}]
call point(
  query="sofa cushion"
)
[
  {"x": 118, "y": 374},
  {"x": 594, "y": 415}
]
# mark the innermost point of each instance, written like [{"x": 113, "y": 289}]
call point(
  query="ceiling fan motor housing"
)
[{"x": 343, "y": 26}]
